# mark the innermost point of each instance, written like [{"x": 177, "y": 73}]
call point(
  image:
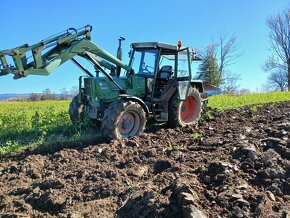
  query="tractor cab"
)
[
  {"x": 162, "y": 65},
  {"x": 166, "y": 70}
]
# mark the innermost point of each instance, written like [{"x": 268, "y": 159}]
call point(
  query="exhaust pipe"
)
[{"x": 119, "y": 54}]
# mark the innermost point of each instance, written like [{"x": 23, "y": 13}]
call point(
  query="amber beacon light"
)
[{"x": 179, "y": 43}]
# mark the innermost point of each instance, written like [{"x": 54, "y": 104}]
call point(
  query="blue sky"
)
[{"x": 196, "y": 23}]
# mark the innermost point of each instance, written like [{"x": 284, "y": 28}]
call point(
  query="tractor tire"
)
[
  {"x": 186, "y": 112},
  {"x": 75, "y": 110},
  {"x": 123, "y": 119}
]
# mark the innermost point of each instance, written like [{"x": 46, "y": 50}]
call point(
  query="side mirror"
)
[{"x": 194, "y": 56}]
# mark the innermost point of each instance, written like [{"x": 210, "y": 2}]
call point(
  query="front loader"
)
[{"x": 156, "y": 82}]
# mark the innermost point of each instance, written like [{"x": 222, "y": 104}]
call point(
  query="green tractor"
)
[{"x": 156, "y": 83}]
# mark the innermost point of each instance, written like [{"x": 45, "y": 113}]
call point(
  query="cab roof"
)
[{"x": 141, "y": 45}]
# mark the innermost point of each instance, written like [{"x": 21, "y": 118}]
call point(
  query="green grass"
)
[
  {"x": 34, "y": 123},
  {"x": 222, "y": 102}
]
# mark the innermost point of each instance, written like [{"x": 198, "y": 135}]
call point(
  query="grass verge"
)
[{"x": 223, "y": 102}]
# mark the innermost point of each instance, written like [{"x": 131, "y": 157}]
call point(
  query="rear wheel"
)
[
  {"x": 187, "y": 112},
  {"x": 75, "y": 110},
  {"x": 123, "y": 119}
]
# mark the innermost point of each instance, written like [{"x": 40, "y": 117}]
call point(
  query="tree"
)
[
  {"x": 47, "y": 95},
  {"x": 278, "y": 64},
  {"x": 230, "y": 82},
  {"x": 74, "y": 91},
  {"x": 277, "y": 81},
  {"x": 209, "y": 69},
  {"x": 228, "y": 51},
  {"x": 217, "y": 58},
  {"x": 64, "y": 94},
  {"x": 34, "y": 97},
  {"x": 244, "y": 91}
]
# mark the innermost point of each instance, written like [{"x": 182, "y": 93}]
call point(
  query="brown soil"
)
[{"x": 237, "y": 164}]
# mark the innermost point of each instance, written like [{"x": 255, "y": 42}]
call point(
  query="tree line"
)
[
  {"x": 219, "y": 56},
  {"x": 47, "y": 94}
]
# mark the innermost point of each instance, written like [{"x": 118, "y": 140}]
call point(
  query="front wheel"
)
[
  {"x": 123, "y": 119},
  {"x": 75, "y": 110},
  {"x": 187, "y": 112}
]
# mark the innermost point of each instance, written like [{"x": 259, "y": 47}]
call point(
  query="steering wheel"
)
[{"x": 146, "y": 69}]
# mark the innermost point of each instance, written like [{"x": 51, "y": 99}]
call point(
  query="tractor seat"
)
[
  {"x": 162, "y": 78},
  {"x": 165, "y": 72}
]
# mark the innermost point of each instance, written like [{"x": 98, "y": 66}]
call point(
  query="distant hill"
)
[
  {"x": 13, "y": 96},
  {"x": 7, "y": 96}
]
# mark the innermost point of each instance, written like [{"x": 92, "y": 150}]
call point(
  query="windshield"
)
[{"x": 144, "y": 61}]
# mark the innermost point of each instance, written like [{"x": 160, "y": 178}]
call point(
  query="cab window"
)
[{"x": 183, "y": 65}]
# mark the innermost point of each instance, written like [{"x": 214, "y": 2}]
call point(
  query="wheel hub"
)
[
  {"x": 129, "y": 123},
  {"x": 188, "y": 110}
]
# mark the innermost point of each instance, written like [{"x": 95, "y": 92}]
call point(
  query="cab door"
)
[{"x": 183, "y": 73}]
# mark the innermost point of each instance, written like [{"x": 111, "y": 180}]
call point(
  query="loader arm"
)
[{"x": 49, "y": 54}]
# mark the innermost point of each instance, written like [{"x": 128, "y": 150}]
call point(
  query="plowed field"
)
[{"x": 236, "y": 164}]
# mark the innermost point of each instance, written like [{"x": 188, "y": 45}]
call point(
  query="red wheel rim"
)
[
  {"x": 188, "y": 110},
  {"x": 129, "y": 124}
]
